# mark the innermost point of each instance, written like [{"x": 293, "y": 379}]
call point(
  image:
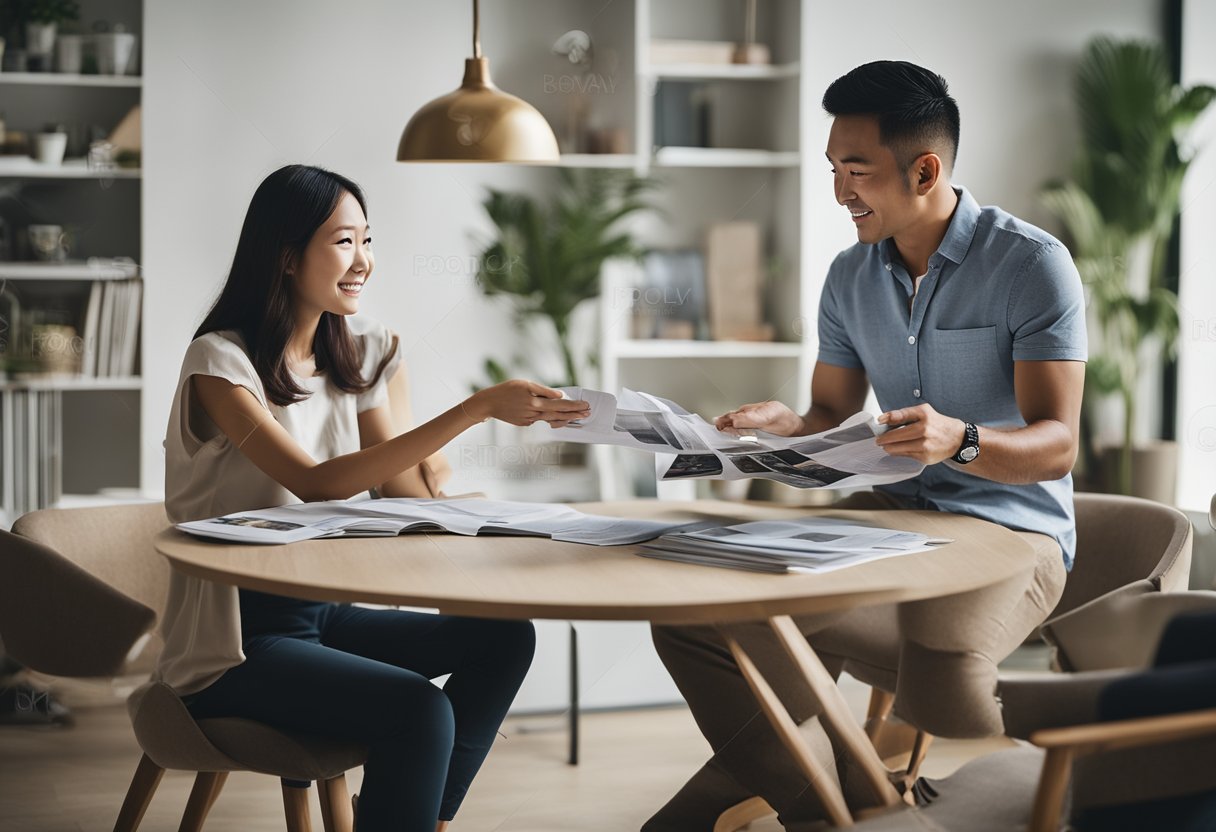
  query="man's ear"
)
[{"x": 926, "y": 170}]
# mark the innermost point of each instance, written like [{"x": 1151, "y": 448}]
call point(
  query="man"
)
[{"x": 969, "y": 324}]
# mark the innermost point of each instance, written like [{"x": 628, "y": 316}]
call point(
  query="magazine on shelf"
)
[{"x": 687, "y": 447}]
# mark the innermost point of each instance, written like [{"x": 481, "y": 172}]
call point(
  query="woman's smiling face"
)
[{"x": 336, "y": 263}]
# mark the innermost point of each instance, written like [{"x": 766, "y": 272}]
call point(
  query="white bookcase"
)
[
  {"x": 71, "y": 437},
  {"x": 755, "y": 172}
]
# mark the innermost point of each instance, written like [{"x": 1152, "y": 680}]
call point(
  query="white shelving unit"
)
[
  {"x": 70, "y": 433},
  {"x": 756, "y": 175}
]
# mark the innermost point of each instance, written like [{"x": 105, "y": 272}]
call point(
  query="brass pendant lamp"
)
[{"x": 478, "y": 122}]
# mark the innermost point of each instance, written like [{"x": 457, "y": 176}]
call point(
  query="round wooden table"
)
[{"x": 529, "y": 577}]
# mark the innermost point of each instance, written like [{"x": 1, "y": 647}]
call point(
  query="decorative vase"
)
[
  {"x": 114, "y": 52},
  {"x": 40, "y": 38},
  {"x": 1154, "y": 470}
]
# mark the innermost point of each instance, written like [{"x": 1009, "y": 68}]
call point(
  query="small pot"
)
[
  {"x": 1154, "y": 471},
  {"x": 69, "y": 53},
  {"x": 115, "y": 52},
  {"x": 40, "y": 38}
]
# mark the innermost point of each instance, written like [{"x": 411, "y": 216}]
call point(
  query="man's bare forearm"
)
[{"x": 1042, "y": 451}]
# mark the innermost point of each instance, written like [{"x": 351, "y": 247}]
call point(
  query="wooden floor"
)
[{"x": 72, "y": 780}]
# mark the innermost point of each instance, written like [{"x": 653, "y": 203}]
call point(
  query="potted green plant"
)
[
  {"x": 547, "y": 258},
  {"x": 42, "y": 19},
  {"x": 1118, "y": 210}
]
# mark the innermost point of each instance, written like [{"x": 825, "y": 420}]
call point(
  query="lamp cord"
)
[{"x": 476, "y": 29}]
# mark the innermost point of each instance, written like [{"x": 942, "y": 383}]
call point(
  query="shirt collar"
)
[{"x": 959, "y": 233}]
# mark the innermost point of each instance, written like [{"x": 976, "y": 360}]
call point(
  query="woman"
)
[{"x": 283, "y": 397}]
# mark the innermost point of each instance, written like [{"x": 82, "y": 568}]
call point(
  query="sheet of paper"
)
[{"x": 688, "y": 447}]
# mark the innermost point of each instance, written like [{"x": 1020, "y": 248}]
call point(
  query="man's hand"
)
[
  {"x": 922, "y": 434},
  {"x": 772, "y": 417}
]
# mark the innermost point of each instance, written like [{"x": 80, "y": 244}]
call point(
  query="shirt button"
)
[
  {"x": 911, "y": 339},
  {"x": 888, "y": 267},
  {"x": 916, "y": 392}
]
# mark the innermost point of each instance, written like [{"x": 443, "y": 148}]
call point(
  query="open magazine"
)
[
  {"x": 689, "y": 447},
  {"x": 397, "y": 515}
]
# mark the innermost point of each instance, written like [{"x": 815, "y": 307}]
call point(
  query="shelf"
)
[
  {"x": 100, "y": 270},
  {"x": 107, "y": 497},
  {"x": 598, "y": 160},
  {"x": 73, "y": 383},
  {"x": 70, "y": 79},
  {"x": 723, "y": 157},
  {"x": 661, "y": 348},
  {"x": 23, "y": 167},
  {"x": 725, "y": 72}
]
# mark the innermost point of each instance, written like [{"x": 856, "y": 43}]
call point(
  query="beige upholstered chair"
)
[
  {"x": 80, "y": 593},
  {"x": 1075, "y": 760},
  {"x": 1123, "y": 543}
]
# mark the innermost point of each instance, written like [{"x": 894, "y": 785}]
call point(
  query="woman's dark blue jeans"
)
[{"x": 364, "y": 675}]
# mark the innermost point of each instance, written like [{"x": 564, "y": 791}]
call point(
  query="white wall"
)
[{"x": 1196, "y": 429}]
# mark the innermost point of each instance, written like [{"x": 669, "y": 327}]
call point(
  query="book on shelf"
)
[
  {"x": 111, "y": 329},
  {"x": 31, "y": 450}
]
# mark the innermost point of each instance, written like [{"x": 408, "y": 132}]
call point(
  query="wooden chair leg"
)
[
  {"x": 139, "y": 795},
  {"x": 741, "y": 815},
  {"x": 881, "y": 703},
  {"x": 295, "y": 807},
  {"x": 920, "y": 750},
  {"x": 337, "y": 812},
  {"x": 207, "y": 786},
  {"x": 1053, "y": 786}
]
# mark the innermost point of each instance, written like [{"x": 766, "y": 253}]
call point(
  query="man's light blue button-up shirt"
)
[{"x": 998, "y": 290}]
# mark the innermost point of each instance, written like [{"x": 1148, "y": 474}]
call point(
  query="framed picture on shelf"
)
[{"x": 671, "y": 302}]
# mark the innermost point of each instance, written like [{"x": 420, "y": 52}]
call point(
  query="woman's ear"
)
[
  {"x": 288, "y": 261},
  {"x": 926, "y": 170}
]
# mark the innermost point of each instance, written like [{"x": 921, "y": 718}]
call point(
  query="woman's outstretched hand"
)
[{"x": 522, "y": 402}]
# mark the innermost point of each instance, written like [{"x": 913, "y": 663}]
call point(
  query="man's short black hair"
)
[{"x": 913, "y": 106}]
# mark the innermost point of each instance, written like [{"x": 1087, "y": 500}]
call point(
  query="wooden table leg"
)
[
  {"x": 836, "y": 715},
  {"x": 823, "y": 784}
]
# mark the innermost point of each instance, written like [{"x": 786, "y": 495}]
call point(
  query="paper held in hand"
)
[{"x": 686, "y": 446}]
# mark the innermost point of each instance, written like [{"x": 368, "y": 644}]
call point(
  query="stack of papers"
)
[
  {"x": 811, "y": 544},
  {"x": 688, "y": 447},
  {"x": 392, "y": 516}
]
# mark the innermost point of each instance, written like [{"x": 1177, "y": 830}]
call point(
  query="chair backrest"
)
[
  {"x": 1122, "y": 541},
  {"x": 80, "y": 588}
]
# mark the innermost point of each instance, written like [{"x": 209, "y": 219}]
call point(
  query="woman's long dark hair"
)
[{"x": 286, "y": 210}]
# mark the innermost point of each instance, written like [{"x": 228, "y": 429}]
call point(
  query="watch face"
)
[{"x": 968, "y": 454}]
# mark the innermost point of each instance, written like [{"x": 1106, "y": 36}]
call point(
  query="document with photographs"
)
[
  {"x": 398, "y": 515},
  {"x": 689, "y": 447},
  {"x": 808, "y": 544}
]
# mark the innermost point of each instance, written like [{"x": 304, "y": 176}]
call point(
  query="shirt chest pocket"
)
[{"x": 963, "y": 373}]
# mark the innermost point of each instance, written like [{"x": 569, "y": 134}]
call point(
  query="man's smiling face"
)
[{"x": 869, "y": 180}]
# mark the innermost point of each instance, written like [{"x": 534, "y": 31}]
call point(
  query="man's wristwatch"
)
[{"x": 970, "y": 448}]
